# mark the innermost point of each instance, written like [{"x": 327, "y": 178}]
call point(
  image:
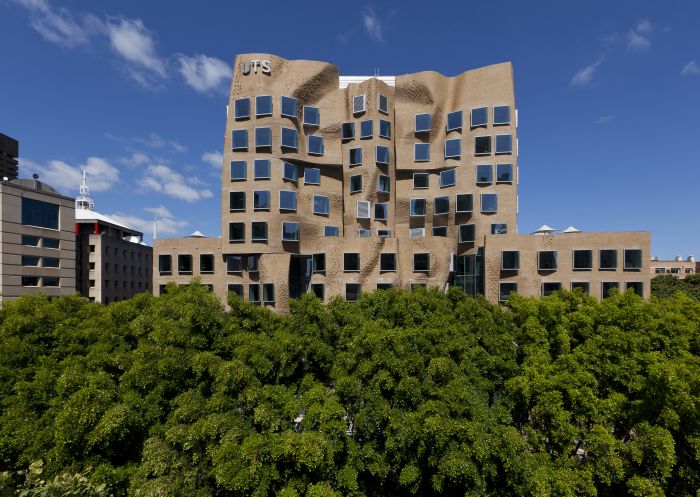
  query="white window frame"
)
[
  {"x": 328, "y": 205},
  {"x": 379, "y": 103},
  {"x": 269, "y": 169},
  {"x": 381, "y": 270},
  {"x": 272, "y": 106},
  {"x": 471, "y": 116},
  {"x": 355, "y": 98},
  {"x": 362, "y": 135},
  {"x": 296, "y": 133},
  {"x": 269, "y": 198},
  {"x": 440, "y": 227},
  {"x": 459, "y": 155},
  {"x": 237, "y": 117},
  {"x": 308, "y": 145},
  {"x": 303, "y": 116},
  {"x": 512, "y": 173},
  {"x": 434, "y": 204},
  {"x": 231, "y": 209},
  {"x": 415, "y": 149},
  {"x": 363, "y": 203},
  {"x": 256, "y": 137},
  {"x": 454, "y": 169},
  {"x": 421, "y": 187},
  {"x": 384, "y": 233},
  {"x": 476, "y": 172},
  {"x": 350, "y": 162},
  {"x": 491, "y": 146},
  {"x": 296, "y": 168},
  {"x": 388, "y": 181},
  {"x": 297, "y": 230},
  {"x": 246, "y": 139},
  {"x": 415, "y": 123},
  {"x": 481, "y": 203},
  {"x": 280, "y": 201},
  {"x": 330, "y": 226},
  {"x": 350, "y": 183},
  {"x": 376, "y": 154},
  {"x": 245, "y": 170},
  {"x": 381, "y": 135},
  {"x": 410, "y": 207},
  {"x": 229, "y": 232},
  {"x": 624, "y": 259},
  {"x": 495, "y": 144},
  {"x": 364, "y": 233},
  {"x": 296, "y": 106},
  {"x": 359, "y": 263},
  {"x": 493, "y": 115},
  {"x": 447, "y": 121},
  {"x": 306, "y": 182},
  {"x": 416, "y": 232},
  {"x": 342, "y": 125}
]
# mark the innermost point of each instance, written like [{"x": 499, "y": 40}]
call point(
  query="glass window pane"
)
[
  {"x": 387, "y": 262},
  {"x": 356, "y": 183},
  {"x": 547, "y": 260},
  {"x": 241, "y": 108},
  {"x": 312, "y": 176},
  {"x": 234, "y": 263},
  {"x": 381, "y": 211},
  {"x": 254, "y": 292},
  {"x": 384, "y": 128},
  {"x": 290, "y": 171},
  {"x": 318, "y": 263},
  {"x": 583, "y": 260},
  {"x": 38, "y": 213},
  {"x": 454, "y": 120},
  {"x": 633, "y": 259},
  {"x": 489, "y": 202},
  {"x": 259, "y": 231},
  {"x": 465, "y": 202},
  {"x": 236, "y": 232},
  {"x": 609, "y": 286},
  {"x": 315, "y": 145},
  {"x": 238, "y": 170},
  {"x": 467, "y": 233},
  {"x": 510, "y": 260},
  {"x": 581, "y": 285},
  {"x": 348, "y": 131},
  {"x": 355, "y": 156},
  {"x": 383, "y": 104},
  {"x": 504, "y": 173},
  {"x": 439, "y": 230},
  {"x": 312, "y": 116},
  {"x": 480, "y": 116},
  {"x": 358, "y": 104},
  {"x": 383, "y": 183},
  {"x": 32, "y": 241},
  {"x": 608, "y": 259},
  {"x": 320, "y": 204},
  {"x": 417, "y": 207},
  {"x": 262, "y": 169},
  {"x": 289, "y": 107},
  {"x": 421, "y": 180},
  {"x": 453, "y": 148},
  {"x": 549, "y": 288},
  {"x": 290, "y": 231},
  {"x": 239, "y": 139},
  {"x": 482, "y": 145},
  {"x": 363, "y": 209},
  {"x": 261, "y": 200},
  {"x": 422, "y": 123},
  {"x": 30, "y": 260},
  {"x": 331, "y": 231},
  {"x": 351, "y": 262},
  {"x": 263, "y": 105},
  {"x": 501, "y": 115},
  {"x": 505, "y": 289},
  {"x": 421, "y": 152},
  {"x": 288, "y": 200},
  {"x": 352, "y": 292},
  {"x": 441, "y": 205},
  {"x": 290, "y": 138},
  {"x": 366, "y": 130},
  {"x": 268, "y": 293},
  {"x": 382, "y": 154},
  {"x": 448, "y": 178},
  {"x": 499, "y": 229},
  {"x": 484, "y": 174},
  {"x": 236, "y": 201},
  {"x": 421, "y": 262},
  {"x": 263, "y": 137},
  {"x": 504, "y": 144},
  {"x": 165, "y": 263}
]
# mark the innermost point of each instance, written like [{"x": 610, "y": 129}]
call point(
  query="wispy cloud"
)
[
  {"x": 167, "y": 224},
  {"x": 130, "y": 39},
  {"x": 690, "y": 68},
  {"x": 605, "y": 119},
  {"x": 101, "y": 174},
  {"x": 162, "y": 179},
  {"x": 216, "y": 159},
  {"x": 585, "y": 75},
  {"x": 204, "y": 74},
  {"x": 373, "y": 25},
  {"x": 56, "y": 26},
  {"x": 638, "y": 37}
]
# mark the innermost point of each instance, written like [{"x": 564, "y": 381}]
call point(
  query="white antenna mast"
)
[
  {"x": 155, "y": 228},
  {"x": 84, "y": 201}
]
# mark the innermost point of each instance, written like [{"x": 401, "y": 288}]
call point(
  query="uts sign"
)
[{"x": 264, "y": 66}]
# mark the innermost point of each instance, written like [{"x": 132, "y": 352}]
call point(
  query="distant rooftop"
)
[{"x": 346, "y": 80}]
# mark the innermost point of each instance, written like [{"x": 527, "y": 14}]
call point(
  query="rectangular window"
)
[
  {"x": 318, "y": 289},
  {"x": 384, "y": 233},
  {"x": 363, "y": 209},
  {"x": 315, "y": 145},
  {"x": 288, "y": 200},
  {"x": 253, "y": 263},
  {"x": 258, "y": 231},
  {"x": 347, "y": 131},
  {"x": 236, "y": 201},
  {"x": 633, "y": 259},
  {"x": 484, "y": 174},
  {"x": 504, "y": 173},
  {"x": 38, "y": 213},
  {"x": 448, "y": 178},
  {"x": 184, "y": 263},
  {"x": 421, "y": 263},
  {"x": 441, "y": 205},
  {"x": 312, "y": 116},
  {"x": 31, "y": 241},
  {"x": 236, "y": 289},
  {"x": 421, "y": 181},
  {"x": 254, "y": 292},
  {"x": 355, "y": 156},
  {"x": 290, "y": 138},
  {"x": 416, "y": 232},
  {"x": 381, "y": 154},
  {"x": 384, "y": 128},
  {"x": 238, "y": 170},
  {"x": 505, "y": 289},
  {"x": 467, "y": 233},
  {"x": 331, "y": 231},
  {"x": 356, "y": 183},
  {"x": 636, "y": 286},
  {"x": 383, "y": 104},
  {"x": 421, "y": 152},
  {"x": 51, "y": 243},
  {"x": 241, "y": 108},
  {"x": 501, "y": 114},
  {"x": 165, "y": 263},
  {"x": 480, "y": 116},
  {"x": 384, "y": 286},
  {"x": 263, "y": 105},
  {"x": 290, "y": 171},
  {"x": 206, "y": 263},
  {"x": 290, "y": 231},
  {"x": 547, "y": 260},
  {"x": 239, "y": 139},
  {"x": 236, "y": 232},
  {"x": 318, "y": 263},
  {"x": 582, "y": 260},
  {"x": 262, "y": 169},
  {"x": 320, "y": 204},
  {"x": 289, "y": 107},
  {"x": 381, "y": 211},
  {"x": 387, "y": 263},
  {"x": 608, "y": 286},
  {"x": 383, "y": 183},
  {"x": 454, "y": 120},
  {"x": 351, "y": 262},
  {"x": 581, "y": 285},
  {"x": 464, "y": 202},
  {"x": 261, "y": 200},
  {"x": 439, "y": 230},
  {"x": 608, "y": 259},
  {"x": 364, "y": 233},
  {"x": 30, "y": 260},
  {"x": 510, "y": 260},
  {"x": 358, "y": 104},
  {"x": 453, "y": 148},
  {"x": 489, "y": 202},
  {"x": 504, "y": 144},
  {"x": 550, "y": 287},
  {"x": 417, "y": 207},
  {"x": 312, "y": 176},
  {"x": 234, "y": 264},
  {"x": 52, "y": 281},
  {"x": 482, "y": 145},
  {"x": 263, "y": 137},
  {"x": 30, "y": 281},
  {"x": 53, "y": 262},
  {"x": 366, "y": 129},
  {"x": 499, "y": 229},
  {"x": 422, "y": 123},
  {"x": 660, "y": 270},
  {"x": 268, "y": 293},
  {"x": 352, "y": 292}
]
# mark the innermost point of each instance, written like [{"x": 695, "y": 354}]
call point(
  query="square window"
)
[
  {"x": 318, "y": 289},
  {"x": 439, "y": 230},
  {"x": 499, "y": 229},
  {"x": 348, "y": 131},
  {"x": 253, "y": 263},
  {"x": 236, "y": 201},
  {"x": 608, "y": 259},
  {"x": 263, "y": 137},
  {"x": 510, "y": 260},
  {"x": 254, "y": 292},
  {"x": 165, "y": 263},
  {"x": 454, "y": 120},
  {"x": 184, "y": 263},
  {"x": 364, "y": 233},
  {"x": 236, "y": 289},
  {"x": 52, "y": 281},
  {"x": 236, "y": 232},
  {"x": 320, "y": 204},
  {"x": 30, "y": 260},
  {"x": 505, "y": 289},
  {"x": 263, "y": 105},
  {"x": 581, "y": 285},
  {"x": 453, "y": 148},
  {"x": 268, "y": 293},
  {"x": 331, "y": 231},
  {"x": 421, "y": 152},
  {"x": 633, "y": 259},
  {"x": 467, "y": 233},
  {"x": 636, "y": 286},
  {"x": 315, "y": 145},
  {"x": 504, "y": 173},
  {"x": 582, "y": 260},
  {"x": 289, "y": 107},
  {"x": 290, "y": 231},
  {"x": 51, "y": 243},
  {"x": 355, "y": 156},
  {"x": 387, "y": 262},
  {"x": 383, "y": 104},
  {"x": 480, "y": 116},
  {"x": 422, "y": 123},
  {"x": 421, "y": 262},
  {"x": 489, "y": 202},
  {"x": 261, "y": 169},
  {"x": 358, "y": 104},
  {"x": 366, "y": 130},
  {"x": 290, "y": 138},
  {"x": 241, "y": 108},
  {"x": 356, "y": 183},
  {"x": 384, "y": 128},
  {"x": 363, "y": 209},
  {"x": 381, "y": 211},
  {"x": 234, "y": 264},
  {"x": 382, "y": 154},
  {"x": 547, "y": 260},
  {"x": 417, "y": 207},
  {"x": 261, "y": 200},
  {"x": 312, "y": 116},
  {"x": 608, "y": 286},
  {"x": 482, "y": 145},
  {"x": 421, "y": 181},
  {"x": 239, "y": 139},
  {"x": 288, "y": 200},
  {"x": 384, "y": 233},
  {"x": 259, "y": 231},
  {"x": 501, "y": 114},
  {"x": 416, "y": 232},
  {"x": 441, "y": 205},
  {"x": 448, "y": 178},
  {"x": 351, "y": 262},
  {"x": 31, "y": 241},
  {"x": 550, "y": 287},
  {"x": 464, "y": 202},
  {"x": 504, "y": 144},
  {"x": 312, "y": 176},
  {"x": 290, "y": 171},
  {"x": 352, "y": 292},
  {"x": 383, "y": 183},
  {"x": 318, "y": 263},
  {"x": 206, "y": 263}
]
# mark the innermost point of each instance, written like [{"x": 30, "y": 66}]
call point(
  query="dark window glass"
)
[
  {"x": 421, "y": 180},
  {"x": 441, "y": 205},
  {"x": 636, "y": 286},
  {"x": 331, "y": 231},
  {"x": 351, "y": 262},
  {"x": 290, "y": 172},
  {"x": 355, "y": 156},
  {"x": 484, "y": 174},
  {"x": 421, "y": 152},
  {"x": 417, "y": 207},
  {"x": 236, "y": 201},
  {"x": 290, "y": 138},
  {"x": 356, "y": 183},
  {"x": 253, "y": 263},
  {"x": 382, "y": 155},
  {"x": 583, "y": 260},
  {"x": 51, "y": 262},
  {"x": 206, "y": 263},
  {"x": 383, "y": 183},
  {"x": 608, "y": 259},
  {"x": 489, "y": 202},
  {"x": 348, "y": 131},
  {"x": 268, "y": 291},
  {"x": 51, "y": 281},
  {"x": 254, "y": 293},
  {"x": 505, "y": 289},
  {"x": 236, "y": 232},
  {"x": 32, "y": 241},
  {"x": 499, "y": 229},
  {"x": 258, "y": 231},
  {"x": 318, "y": 289},
  {"x": 422, "y": 123},
  {"x": 467, "y": 233},
  {"x": 465, "y": 202},
  {"x": 261, "y": 200},
  {"x": 581, "y": 285},
  {"x": 383, "y": 104},
  {"x": 165, "y": 263},
  {"x": 263, "y": 105},
  {"x": 448, "y": 178},
  {"x": 549, "y": 288},
  {"x": 239, "y": 139},
  {"x": 290, "y": 232},
  {"x": 262, "y": 169},
  {"x": 184, "y": 263},
  {"x": 38, "y": 213},
  {"x": 504, "y": 173},
  {"x": 454, "y": 120},
  {"x": 439, "y": 230},
  {"x": 633, "y": 259},
  {"x": 234, "y": 263},
  {"x": 315, "y": 145},
  {"x": 482, "y": 145},
  {"x": 352, "y": 292},
  {"x": 501, "y": 115},
  {"x": 263, "y": 137},
  {"x": 547, "y": 260},
  {"x": 381, "y": 211},
  {"x": 480, "y": 116},
  {"x": 384, "y": 233},
  {"x": 30, "y": 281},
  {"x": 366, "y": 129},
  {"x": 241, "y": 108},
  {"x": 387, "y": 262},
  {"x": 510, "y": 260},
  {"x": 238, "y": 170},
  {"x": 504, "y": 144},
  {"x": 289, "y": 107},
  {"x": 384, "y": 286},
  {"x": 288, "y": 201},
  {"x": 384, "y": 128},
  {"x": 608, "y": 286},
  {"x": 320, "y": 204},
  {"x": 30, "y": 260},
  {"x": 421, "y": 262},
  {"x": 318, "y": 263},
  {"x": 236, "y": 289}
]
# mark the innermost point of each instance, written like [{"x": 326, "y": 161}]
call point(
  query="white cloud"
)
[
  {"x": 156, "y": 141},
  {"x": 584, "y": 76},
  {"x": 56, "y": 26},
  {"x": 638, "y": 36},
  {"x": 130, "y": 39},
  {"x": 165, "y": 180},
  {"x": 160, "y": 211},
  {"x": 373, "y": 25},
  {"x": 204, "y": 73},
  {"x": 690, "y": 68},
  {"x": 166, "y": 225},
  {"x": 216, "y": 159},
  {"x": 101, "y": 175}
]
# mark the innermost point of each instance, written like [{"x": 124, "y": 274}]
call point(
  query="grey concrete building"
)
[{"x": 9, "y": 151}]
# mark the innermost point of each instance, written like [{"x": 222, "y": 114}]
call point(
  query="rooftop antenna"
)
[
  {"x": 155, "y": 228},
  {"x": 84, "y": 201}
]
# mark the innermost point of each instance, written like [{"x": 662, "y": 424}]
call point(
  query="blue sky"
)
[{"x": 135, "y": 92}]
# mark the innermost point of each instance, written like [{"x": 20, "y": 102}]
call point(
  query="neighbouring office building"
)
[
  {"x": 337, "y": 185},
  {"x": 678, "y": 267},
  {"x": 9, "y": 151}
]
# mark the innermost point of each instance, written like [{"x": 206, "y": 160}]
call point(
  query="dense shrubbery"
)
[
  {"x": 400, "y": 394},
  {"x": 667, "y": 285}
]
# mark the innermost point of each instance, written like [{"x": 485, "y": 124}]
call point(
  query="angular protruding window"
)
[
  {"x": 422, "y": 123},
  {"x": 358, "y": 104},
  {"x": 263, "y": 105},
  {"x": 239, "y": 139},
  {"x": 501, "y": 114},
  {"x": 241, "y": 108},
  {"x": 290, "y": 138},
  {"x": 417, "y": 207},
  {"x": 290, "y": 231},
  {"x": 454, "y": 120},
  {"x": 289, "y": 107},
  {"x": 421, "y": 152},
  {"x": 312, "y": 116},
  {"x": 480, "y": 116}
]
